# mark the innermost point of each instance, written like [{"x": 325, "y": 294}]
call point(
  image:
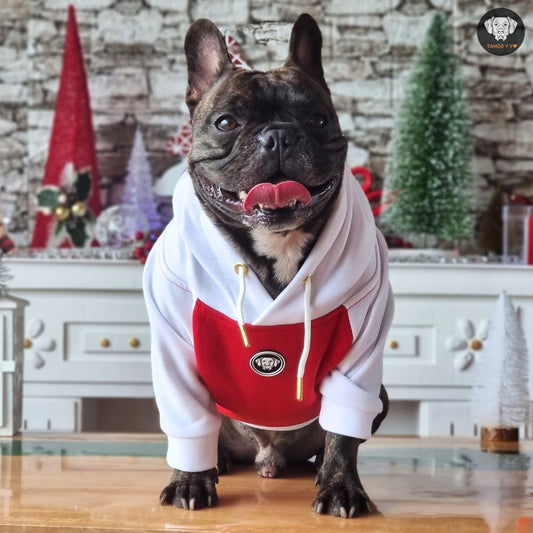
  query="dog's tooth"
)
[
  {"x": 261, "y": 206},
  {"x": 242, "y": 195}
]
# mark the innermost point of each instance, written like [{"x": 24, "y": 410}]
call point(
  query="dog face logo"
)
[
  {"x": 501, "y": 27},
  {"x": 267, "y": 363},
  {"x": 500, "y": 31}
]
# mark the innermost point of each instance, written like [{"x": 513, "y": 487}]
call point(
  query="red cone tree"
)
[{"x": 70, "y": 196}]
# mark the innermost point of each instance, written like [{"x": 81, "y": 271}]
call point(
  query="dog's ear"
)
[
  {"x": 207, "y": 60},
  {"x": 305, "y": 48},
  {"x": 488, "y": 25},
  {"x": 512, "y": 24}
]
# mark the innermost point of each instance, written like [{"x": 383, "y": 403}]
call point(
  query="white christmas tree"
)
[
  {"x": 138, "y": 185},
  {"x": 500, "y": 396}
]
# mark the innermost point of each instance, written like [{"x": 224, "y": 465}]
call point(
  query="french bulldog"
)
[{"x": 267, "y": 165}]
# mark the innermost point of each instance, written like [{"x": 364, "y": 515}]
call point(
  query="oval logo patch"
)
[{"x": 267, "y": 363}]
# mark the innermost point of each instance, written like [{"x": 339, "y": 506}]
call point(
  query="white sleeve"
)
[
  {"x": 350, "y": 393},
  {"x": 188, "y": 414}
]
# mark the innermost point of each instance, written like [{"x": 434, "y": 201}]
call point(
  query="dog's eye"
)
[
  {"x": 226, "y": 123},
  {"x": 318, "y": 121}
]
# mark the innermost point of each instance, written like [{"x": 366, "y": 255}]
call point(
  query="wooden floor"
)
[{"x": 101, "y": 483}]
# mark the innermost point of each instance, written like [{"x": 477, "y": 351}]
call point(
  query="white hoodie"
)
[{"x": 326, "y": 330}]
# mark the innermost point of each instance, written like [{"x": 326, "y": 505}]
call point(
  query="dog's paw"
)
[
  {"x": 343, "y": 496},
  {"x": 191, "y": 490}
]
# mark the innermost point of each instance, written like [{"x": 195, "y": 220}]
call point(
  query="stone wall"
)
[
  {"x": 136, "y": 68},
  {"x": 14, "y": 116}
]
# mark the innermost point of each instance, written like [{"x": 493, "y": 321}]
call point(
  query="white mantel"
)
[{"x": 91, "y": 335}]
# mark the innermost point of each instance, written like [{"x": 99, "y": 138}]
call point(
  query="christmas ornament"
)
[
  {"x": 120, "y": 225},
  {"x": 71, "y": 149},
  {"x": 141, "y": 251},
  {"x": 62, "y": 213},
  {"x": 79, "y": 209},
  {"x": 500, "y": 396},
  {"x": 67, "y": 204}
]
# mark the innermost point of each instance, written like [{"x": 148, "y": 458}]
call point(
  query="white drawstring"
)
[
  {"x": 241, "y": 269},
  {"x": 307, "y": 340}
]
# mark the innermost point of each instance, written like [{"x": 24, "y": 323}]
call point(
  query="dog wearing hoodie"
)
[{"x": 268, "y": 292}]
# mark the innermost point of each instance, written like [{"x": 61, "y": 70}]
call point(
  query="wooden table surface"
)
[{"x": 100, "y": 483}]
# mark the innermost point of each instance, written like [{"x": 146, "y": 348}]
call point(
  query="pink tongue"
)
[{"x": 274, "y": 196}]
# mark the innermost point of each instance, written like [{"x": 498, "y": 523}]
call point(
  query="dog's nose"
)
[{"x": 277, "y": 138}]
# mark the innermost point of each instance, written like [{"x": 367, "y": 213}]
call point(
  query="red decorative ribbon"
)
[{"x": 374, "y": 197}]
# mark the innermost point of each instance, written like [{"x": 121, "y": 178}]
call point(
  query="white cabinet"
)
[
  {"x": 440, "y": 323},
  {"x": 11, "y": 335},
  {"x": 87, "y": 337}
]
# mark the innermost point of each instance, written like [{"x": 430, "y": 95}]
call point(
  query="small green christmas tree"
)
[{"x": 428, "y": 187}]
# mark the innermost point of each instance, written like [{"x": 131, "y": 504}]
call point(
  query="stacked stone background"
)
[{"x": 134, "y": 58}]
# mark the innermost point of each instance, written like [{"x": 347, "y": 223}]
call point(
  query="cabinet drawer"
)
[
  {"x": 411, "y": 356},
  {"x": 106, "y": 341},
  {"x": 400, "y": 344},
  {"x": 411, "y": 344}
]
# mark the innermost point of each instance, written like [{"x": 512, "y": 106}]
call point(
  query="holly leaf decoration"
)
[
  {"x": 83, "y": 185},
  {"x": 69, "y": 205},
  {"x": 76, "y": 231},
  {"x": 47, "y": 198},
  {"x": 60, "y": 226},
  {"x": 89, "y": 217}
]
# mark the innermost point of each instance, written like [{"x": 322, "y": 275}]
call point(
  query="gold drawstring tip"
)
[
  {"x": 244, "y": 336},
  {"x": 300, "y": 389},
  {"x": 240, "y": 266}
]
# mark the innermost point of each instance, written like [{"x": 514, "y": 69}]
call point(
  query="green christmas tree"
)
[{"x": 428, "y": 186}]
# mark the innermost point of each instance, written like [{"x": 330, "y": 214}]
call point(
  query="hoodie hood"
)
[{"x": 343, "y": 264}]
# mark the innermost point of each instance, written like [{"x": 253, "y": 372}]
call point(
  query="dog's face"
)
[
  {"x": 268, "y": 152},
  {"x": 500, "y": 27}
]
